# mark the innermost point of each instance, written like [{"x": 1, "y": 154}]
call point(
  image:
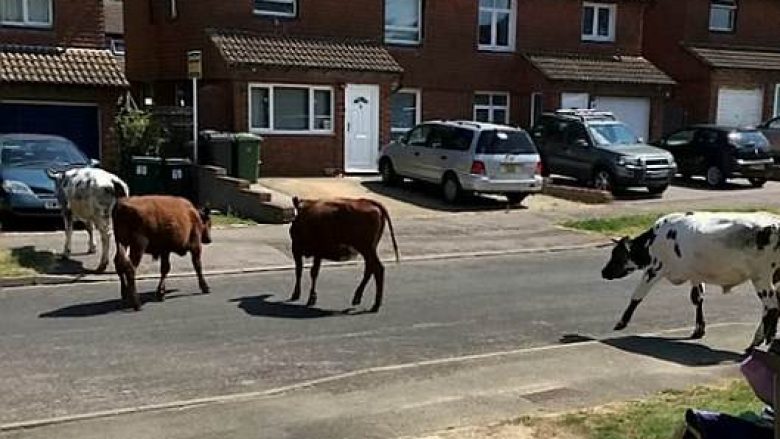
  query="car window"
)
[
  {"x": 418, "y": 136},
  {"x": 26, "y": 152},
  {"x": 749, "y": 138},
  {"x": 505, "y": 142},
  {"x": 575, "y": 132},
  {"x": 455, "y": 139},
  {"x": 612, "y": 134},
  {"x": 680, "y": 138},
  {"x": 550, "y": 130},
  {"x": 706, "y": 138}
]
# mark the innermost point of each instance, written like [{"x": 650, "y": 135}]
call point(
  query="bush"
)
[{"x": 137, "y": 134}]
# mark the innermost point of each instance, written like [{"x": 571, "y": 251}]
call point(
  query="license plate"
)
[
  {"x": 51, "y": 205},
  {"x": 508, "y": 168}
]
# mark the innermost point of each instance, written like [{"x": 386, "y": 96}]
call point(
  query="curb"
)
[{"x": 26, "y": 281}]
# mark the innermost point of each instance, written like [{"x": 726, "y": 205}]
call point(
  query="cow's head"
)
[
  {"x": 629, "y": 255},
  {"x": 205, "y": 219}
]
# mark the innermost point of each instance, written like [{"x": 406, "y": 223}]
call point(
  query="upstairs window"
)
[
  {"x": 722, "y": 15},
  {"x": 403, "y": 20},
  {"x": 496, "y": 25},
  {"x": 31, "y": 13},
  {"x": 598, "y": 21},
  {"x": 279, "y": 8}
]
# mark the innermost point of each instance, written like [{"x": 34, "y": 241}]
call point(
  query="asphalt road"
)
[{"x": 68, "y": 350}]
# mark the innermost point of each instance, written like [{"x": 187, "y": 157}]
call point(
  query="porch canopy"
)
[{"x": 595, "y": 68}]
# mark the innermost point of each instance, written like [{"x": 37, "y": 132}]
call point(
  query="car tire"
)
[
  {"x": 657, "y": 190},
  {"x": 757, "y": 181},
  {"x": 603, "y": 180},
  {"x": 515, "y": 198},
  {"x": 715, "y": 177},
  {"x": 386, "y": 170},
  {"x": 450, "y": 188}
]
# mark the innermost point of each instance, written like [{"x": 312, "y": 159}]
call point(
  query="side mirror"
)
[
  {"x": 94, "y": 163},
  {"x": 582, "y": 143}
]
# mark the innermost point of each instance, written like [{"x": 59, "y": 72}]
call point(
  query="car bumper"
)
[
  {"x": 26, "y": 205},
  {"x": 484, "y": 184},
  {"x": 753, "y": 168},
  {"x": 644, "y": 177}
]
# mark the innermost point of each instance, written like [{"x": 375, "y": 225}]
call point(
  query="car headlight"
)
[
  {"x": 629, "y": 161},
  {"x": 16, "y": 187}
]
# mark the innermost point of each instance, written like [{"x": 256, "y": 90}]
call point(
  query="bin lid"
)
[
  {"x": 216, "y": 135},
  {"x": 248, "y": 137},
  {"x": 145, "y": 159},
  {"x": 178, "y": 161}
]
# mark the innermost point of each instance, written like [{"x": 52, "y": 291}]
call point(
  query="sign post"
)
[{"x": 195, "y": 72}]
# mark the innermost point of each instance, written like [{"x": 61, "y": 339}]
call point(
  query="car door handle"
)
[{"x": 444, "y": 157}]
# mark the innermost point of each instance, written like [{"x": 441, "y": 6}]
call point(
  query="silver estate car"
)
[{"x": 465, "y": 157}]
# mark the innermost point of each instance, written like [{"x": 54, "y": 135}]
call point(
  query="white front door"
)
[
  {"x": 361, "y": 126},
  {"x": 634, "y": 112},
  {"x": 739, "y": 107}
]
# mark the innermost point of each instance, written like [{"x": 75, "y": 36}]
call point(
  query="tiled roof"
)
[
  {"x": 738, "y": 59},
  {"x": 240, "y": 47},
  {"x": 622, "y": 69},
  {"x": 56, "y": 65}
]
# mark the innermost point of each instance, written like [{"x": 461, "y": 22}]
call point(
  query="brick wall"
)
[{"x": 76, "y": 23}]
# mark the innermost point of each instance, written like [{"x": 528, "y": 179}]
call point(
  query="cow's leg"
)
[
  {"x": 298, "y": 273},
  {"x": 697, "y": 298},
  {"x": 105, "y": 236},
  {"x": 379, "y": 278},
  {"x": 165, "y": 268},
  {"x": 367, "y": 272},
  {"x": 67, "y": 218},
  {"x": 92, "y": 247},
  {"x": 767, "y": 329},
  {"x": 120, "y": 266},
  {"x": 315, "y": 271},
  {"x": 204, "y": 287},
  {"x": 649, "y": 278}
]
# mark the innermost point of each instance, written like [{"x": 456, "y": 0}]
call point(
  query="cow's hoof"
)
[
  {"x": 160, "y": 296},
  {"x": 65, "y": 256},
  {"x": 698, "y": 333},
  {"x": 101, "y": 268},
  {"x": 374, "y": 309},
  {"x": 356, "y": 302},
  {"x": 312, "y": 301},
  {"x": 294, "y": 298},
  {"x": 620, "y": 326},
  {"x": 206, "y": 290}
]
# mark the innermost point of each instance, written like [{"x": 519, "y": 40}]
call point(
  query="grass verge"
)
[
  {"x": 10, "y": 265},
  {"x": 622, "y": 225},
  {"x": 229, "y": 219}
]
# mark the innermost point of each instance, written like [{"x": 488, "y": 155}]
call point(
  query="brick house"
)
[
  {"x": 327, "y": 82},
  {"x": 56, "y": 76},
  {"x": 724, "y": 54}
]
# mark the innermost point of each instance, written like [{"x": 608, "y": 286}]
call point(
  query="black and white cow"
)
[
  {"x": 723, "y": 249},
  {"x": 89, "y": 195}
]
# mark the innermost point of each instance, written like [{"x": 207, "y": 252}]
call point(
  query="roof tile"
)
[
  {"x": 738, "y": 59},
  {"x": 58, "y": 65},
  {"x": 621, "y": 69}
]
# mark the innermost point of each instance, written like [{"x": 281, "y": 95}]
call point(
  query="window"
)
[
  {"x": 598, "y": 22},
  {"x": 419, "y": 136},
  {"x": 32, "y": 13},
  {"x": 680, "y": 138},
  {"x": 450, "y": 138},
  {"x": 505, "y": 142},
  {"x": 491, "y": 107},
  {"x": 403, "y": 21},
  {"x": 290, "y": 109},
  {"x": 404, "y": 112},
  {"x": 496, "y": 25},
  {"x": 722, "y": 15},
  {"x": 776, "y": 109},
  {"x": 118, "y": 46},
  {"x": 281, "y": 8}
]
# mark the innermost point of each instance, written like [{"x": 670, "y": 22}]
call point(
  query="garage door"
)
[
  {"x": 634, "y": 112},
  {"x": 79, "y": 123},
  {"x": 739, "y": 107}
]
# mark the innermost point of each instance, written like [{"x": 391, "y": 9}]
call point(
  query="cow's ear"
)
[{"x": 205, "y": 213}]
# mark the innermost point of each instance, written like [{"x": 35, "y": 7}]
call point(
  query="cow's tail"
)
[{"x": 386, "y": 216}]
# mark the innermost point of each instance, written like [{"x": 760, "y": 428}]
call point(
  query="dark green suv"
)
[{"x": 596, "y": 148}]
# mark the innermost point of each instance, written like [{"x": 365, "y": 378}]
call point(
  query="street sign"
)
[{"x": 195, "y": 64}]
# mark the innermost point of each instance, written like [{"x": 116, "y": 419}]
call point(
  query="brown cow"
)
[
  {"x": 157, "y": 225},
  {"x": 337, "y": 230}
]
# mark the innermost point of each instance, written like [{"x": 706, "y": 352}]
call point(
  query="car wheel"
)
[
  {"x": 757, "y": 181},
  {"x": 389, "y": 177},
  {"x": 715, "y": 177},
  {"x": 657, "y": 190},
  {"x": 451, "y": 189},
  {"x": 515, "y": 198},
  {"x": 602, "y": 180}
]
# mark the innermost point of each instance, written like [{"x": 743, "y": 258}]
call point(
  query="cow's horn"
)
[{"x": 51, "y": 173}]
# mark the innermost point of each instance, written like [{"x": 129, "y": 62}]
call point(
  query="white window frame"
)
[
  {"x": 731, "y": 8},
  {"x": 612, "y": 7},
  {"x": 418, "y": 29},
  {"x": 26, "y": 22},
  {"x": 492, "y": 108},
  {"x": 417, "y": 113},
  {"x": 114, "y": 50},
  {"x": 532, "y": 121},
  {"x": 294, "y": 12},
  {"x": 311, "y": 88},
  {"x": 493, "y": 47},
  {"x": 776, "y": 106}
]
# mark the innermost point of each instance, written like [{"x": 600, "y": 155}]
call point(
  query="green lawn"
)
[
  {"x": 10, "y": 266},
  {"x": 659, "y": 417},
  {"x": 224, "y": 220},
  {"x": 630, "y": 225}
]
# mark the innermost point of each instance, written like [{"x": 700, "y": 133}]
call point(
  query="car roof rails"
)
[{"x": 584, "y": 114}]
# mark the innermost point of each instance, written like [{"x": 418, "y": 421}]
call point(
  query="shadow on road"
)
[
  {"x": 45, "y": 261},
  {"x": 701, "y": 184},
  {"x": 101, "y": 308},
  {"x": 261, "y": 306},
  {"x": 428, "y": 196}
]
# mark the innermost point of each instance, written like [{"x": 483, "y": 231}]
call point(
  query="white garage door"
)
[
  {"x": 739, "y": 107},
  {"x": 634, "y": 112}
]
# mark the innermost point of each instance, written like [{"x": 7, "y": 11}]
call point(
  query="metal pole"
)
[{"x": 195, "y": 120}]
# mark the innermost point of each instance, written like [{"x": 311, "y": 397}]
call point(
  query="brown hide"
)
[
  {"x": 157, "y": 225},
  {"x": 335, "y": 230}
]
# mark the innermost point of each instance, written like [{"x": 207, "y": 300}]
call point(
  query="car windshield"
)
[
  {"x": 609, "y": 134},
  {"x": 505, "y": 142},
  {"x": 31, "y": 152},
  {"x": 749, "y": 138}
]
